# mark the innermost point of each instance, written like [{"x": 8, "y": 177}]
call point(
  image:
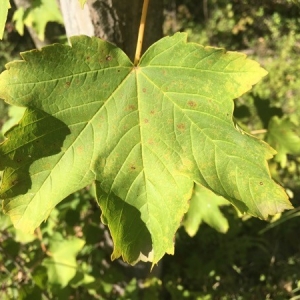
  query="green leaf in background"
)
[
  {"x": 144, "y": 133},
  {"x": 5, "y": 221},
  {"x": 283, "y": 135},
  {"x": 37, "y": 16},
  {"x": 19, "y": 20},
  {"x": 205, "y": 207},
  {"x": 82, "y": 2},
  {"x": 62, "y": 265},
  {"x": 5, "y": 5}
]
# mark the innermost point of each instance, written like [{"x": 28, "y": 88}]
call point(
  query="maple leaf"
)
[{"x": 145, "y": 134}]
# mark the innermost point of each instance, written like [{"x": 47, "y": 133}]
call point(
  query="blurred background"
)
[{"x": 231, "y": 257}]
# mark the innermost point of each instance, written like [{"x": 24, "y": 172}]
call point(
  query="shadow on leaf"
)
[
  {"x": 130, "y": 235},
  {"x": 37, "y": 135}
]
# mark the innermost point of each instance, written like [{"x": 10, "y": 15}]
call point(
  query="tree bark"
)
[
  {"x": 77, "y": 20},
  {"x": 116, "y": 21}
]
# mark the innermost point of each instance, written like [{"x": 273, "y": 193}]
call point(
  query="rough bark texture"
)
[{"x": 118, "y": 21}]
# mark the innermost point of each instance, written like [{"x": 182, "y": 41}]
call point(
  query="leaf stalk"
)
[{"x": 141, "y": 33}]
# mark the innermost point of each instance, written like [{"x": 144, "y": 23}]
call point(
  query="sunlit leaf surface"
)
[{"x": 145, "y": 134}]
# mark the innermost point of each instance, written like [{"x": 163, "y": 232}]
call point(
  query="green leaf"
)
[
  {"x": 18, "y": 18},
  {"x": 205, "y": 207},
  {"x": 39, "y": 276},
  {"x": 5, "y": 222},
  {"x": 82, "y": 2},
  {"x": 283, "y": 135},
  {"x": 24, "y": 237},
  {"x": 144, "y": 133},
  {"x": 62, "y": 265},
  {"x": 5, "y": 5},
  {"x": 16, "y": 156},
  {"x": 37, "y": 16}
]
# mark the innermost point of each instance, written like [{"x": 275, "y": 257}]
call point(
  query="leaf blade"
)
[
  {"x": 145, "y": 134},
  {"x": 207, "y": 115}
]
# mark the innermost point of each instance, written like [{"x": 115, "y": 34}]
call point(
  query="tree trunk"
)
[{"x": 116, "y": 21}]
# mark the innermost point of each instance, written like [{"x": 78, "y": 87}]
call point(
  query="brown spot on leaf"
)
[
  {"x": 130, "y": 107},
  {"x": 152, "y": 112},
  {"x": 146, "y": 121},
  {"x": 132, "y": 167},
  {"x": 192, "y": 104},
  {"x": 108, "y": 58},
  {"x": 181, "y": 127},
  {"x": 80, "y": 149},
  {"x": 144, "y": 90},
  {"x": 88, "y": 58},
  {"x": 68, "y": 83},
  {"x": 261, "y": 183}
]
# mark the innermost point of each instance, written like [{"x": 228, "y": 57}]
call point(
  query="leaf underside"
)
[{"x": 144, "y": 134}]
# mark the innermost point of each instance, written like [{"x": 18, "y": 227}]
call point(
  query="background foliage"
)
[{"x": 69, "y": 256}]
